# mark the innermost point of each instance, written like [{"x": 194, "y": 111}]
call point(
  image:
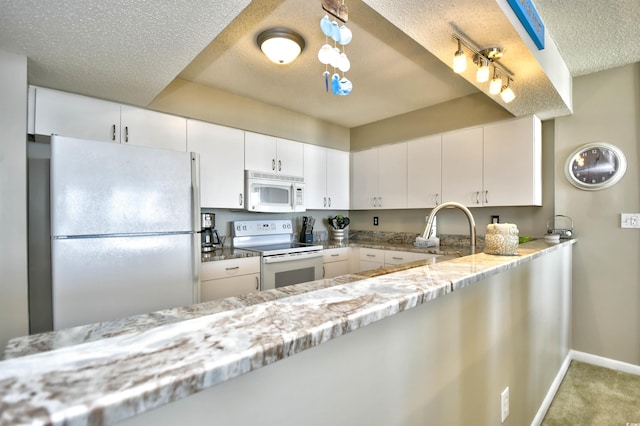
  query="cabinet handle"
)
[
  {"x": 379, "y": 201},
  {"x": 324, "y": 272},
  {"x": 273, "y": 164},
  {"x": 486, "y": 197},
  {"x": 335, "y": 255},
  {"x": 371, "y": 255},
  {"x": 113, "y": 133},
  {"x": 329, "y": 201},
  {"x": 231, "y": 268},
  {"x": 375, "y": 202},
  {"x": 257, "y": 283},
  {"x": 279, "y": 165},
  {"x": 325, "y": 202},
  {"x": 477, "y": 197},
  {"x": 240, "y": 199},
  {"x": 126, "y": 134},
  {"x": 437, "y": 199},
  {"x": 397, "y": 258}
]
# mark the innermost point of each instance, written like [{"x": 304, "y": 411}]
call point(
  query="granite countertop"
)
[{"x": 126, "y": 367}]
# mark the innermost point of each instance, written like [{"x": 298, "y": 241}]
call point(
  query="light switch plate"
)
[{"x": 630, "y": 220}]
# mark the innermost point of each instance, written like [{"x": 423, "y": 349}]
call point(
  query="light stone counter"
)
[{"x": 129, "y": 367}]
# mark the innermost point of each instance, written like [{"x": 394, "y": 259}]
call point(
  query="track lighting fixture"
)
[
  {"x": 485, "y": 59},
  {"x": 459, "y": 60}
]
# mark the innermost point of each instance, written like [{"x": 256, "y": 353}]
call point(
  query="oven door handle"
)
[{"x": 292, "y": 257}]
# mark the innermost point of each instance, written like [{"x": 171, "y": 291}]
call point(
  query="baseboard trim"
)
[
  {"x": 586, "y": 358},
  {"x": 551, "y": 393},
  {"x": 605, "y": 362}
]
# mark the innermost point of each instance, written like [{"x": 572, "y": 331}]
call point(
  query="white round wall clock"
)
[{"x": 595, "y": 166}]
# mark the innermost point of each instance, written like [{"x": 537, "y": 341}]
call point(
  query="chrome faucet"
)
[{"x": 472, "y": 223}]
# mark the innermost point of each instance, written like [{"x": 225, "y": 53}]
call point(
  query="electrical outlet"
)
[
  {"x": 504, "y": 403},
  {"x": 375, "y": 221},
  {"x": 630, "y": 220}
]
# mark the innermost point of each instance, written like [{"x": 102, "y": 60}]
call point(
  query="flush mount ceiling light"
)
[
  {"x": 485, "y": 59},
  {"x": 280, "y": 45}
]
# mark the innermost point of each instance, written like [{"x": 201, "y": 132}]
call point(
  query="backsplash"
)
[{"x": 399, "y": 238}]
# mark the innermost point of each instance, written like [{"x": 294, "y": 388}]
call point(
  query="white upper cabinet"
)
[
  {"x": 83, "y": 117},
  {"x": 326, "y": 177},
  {"x": 221, "y": 152},
  {"x": 513, "y": 163},
  {"x": 273, "y": 155},
  {"x": 462, "y": 167},
  {"x": 379, "y": 177},
  {"x": 139, "y": 126},
  {"x": 424, "y": 172},
  {"x": 67, "y": 114}
]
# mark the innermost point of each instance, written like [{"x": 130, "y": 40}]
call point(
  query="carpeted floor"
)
[{"x": 591, "y": 395}]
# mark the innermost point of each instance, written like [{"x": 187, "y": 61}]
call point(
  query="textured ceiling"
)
[{"x": 130, "y": 51}]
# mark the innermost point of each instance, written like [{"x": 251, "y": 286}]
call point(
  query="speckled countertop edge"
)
[{"x": 165, "y": 363}]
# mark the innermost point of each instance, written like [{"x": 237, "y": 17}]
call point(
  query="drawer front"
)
[
  {"x": 335, "y": 255},
  {"x": 392, "y": 257},
  {"x": 371, "y": 255},
  {"x": 229, "y": 268}
]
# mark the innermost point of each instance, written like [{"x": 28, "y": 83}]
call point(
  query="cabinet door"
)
[
  {"x": 315, "y": 177},
  {"x": 76, "y": 116},
  {"x": 290, "y": 157},
  {"x": 335, "y": 269},
  {"x": 424, "y": 172},
  {"x": 392, "y": 176},
  {"x": 337, "y": 179},
  {"x": 153, "y": 129},
  {"x": 462, "y": 167},
  {"x": 512, "y": 163},
  {"x": 221, "y": 152},
  {"x": 259, "y": 152},
  {"x": 229, "y": 287},
  {"x": 364, "y": 179}
]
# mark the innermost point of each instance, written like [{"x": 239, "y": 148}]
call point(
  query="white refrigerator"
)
[{"x": 124, "y": 230}]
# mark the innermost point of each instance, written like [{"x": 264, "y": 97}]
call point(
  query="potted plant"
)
[{"x": 338, "y": 224}]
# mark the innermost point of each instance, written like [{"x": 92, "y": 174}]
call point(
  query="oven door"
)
[{"x": 288, "y": 269}]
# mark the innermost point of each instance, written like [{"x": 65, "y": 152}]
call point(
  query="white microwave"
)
[{"x": 273, "y": 193}]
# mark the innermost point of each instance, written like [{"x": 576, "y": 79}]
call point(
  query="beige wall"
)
[
  {"x": 14, "y": 319},
  {"x": 216, "y": 106},
  {"x": 456, "y": 114},
  {"x": 606, "y": 319}
]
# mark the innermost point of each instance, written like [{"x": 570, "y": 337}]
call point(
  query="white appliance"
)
[
  {"x": 124, "y": 222},
  {"x": 273, "y": 193},
  {"x": 284, "y": 261}
]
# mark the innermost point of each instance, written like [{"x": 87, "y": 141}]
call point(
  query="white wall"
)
[
  {"x": 606, "y": 317},
  {"x": 14, "y": 320}
]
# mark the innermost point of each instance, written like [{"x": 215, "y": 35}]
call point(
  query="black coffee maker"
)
[{"x": 209, "y": 238}]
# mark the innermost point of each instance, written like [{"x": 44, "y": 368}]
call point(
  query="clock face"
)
[{"x": 595, "y": 166}]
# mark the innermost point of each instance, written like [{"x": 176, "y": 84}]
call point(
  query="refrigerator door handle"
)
[{"x": 195, "y": 211}]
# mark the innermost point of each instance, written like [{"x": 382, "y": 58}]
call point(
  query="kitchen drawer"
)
[
  {"x": 229, "y": 268},
  {"x": 371, "y": 255},
  {"x": 393, "y": 257},
  {"x": 335, "y": 255}
]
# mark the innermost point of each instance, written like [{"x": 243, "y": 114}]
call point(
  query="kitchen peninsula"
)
[{"x": 434, "y": 343}]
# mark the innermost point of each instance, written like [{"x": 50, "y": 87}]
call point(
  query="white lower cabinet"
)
[
  {"x": 378, "y": 258},
  {"x": 227, "y": 278},
  {"x": 335, "y": 262},
  {"x": 371, "y": 259}
]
